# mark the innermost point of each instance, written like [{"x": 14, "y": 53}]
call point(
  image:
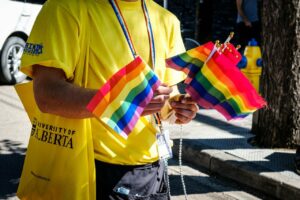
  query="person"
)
[
  {"x": 125, "y": 169},
  {"x": 248, "y": 23}
]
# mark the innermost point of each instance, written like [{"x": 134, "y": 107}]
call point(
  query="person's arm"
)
[
  {"x": 242, "y": 14},
  {"x": 55, "y": 95}
]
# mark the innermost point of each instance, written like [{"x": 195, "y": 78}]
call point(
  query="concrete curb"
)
[{"x": 235, "y": 168}]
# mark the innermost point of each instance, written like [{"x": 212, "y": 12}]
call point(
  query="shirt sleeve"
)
[
  {"x": 176, "y": 47},
  {"x": 54, "y": 41}
]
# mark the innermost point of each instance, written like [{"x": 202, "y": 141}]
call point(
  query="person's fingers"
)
[
  {"x": 148, "y": 112},
  {"x": 163, "y": 90},
  {"x": 151, "y": 109},
  {"x": 187, "y": 100},
  {"x": 186, "y": 106},
  {"x": 182, "y": 119},
  {"x": 185, "y": 110},
  {"x": 154, "y": 106},
  {"x": 186, "y": 113},
  {"x": 160, "y": 98},
  {"x": 177, "y": 121}
]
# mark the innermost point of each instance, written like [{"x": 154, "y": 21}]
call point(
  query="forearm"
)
[
  {"x": 245, "y": 19},
  {"x": 240, "y": 10},
  {"x": 55, "y": 95}
]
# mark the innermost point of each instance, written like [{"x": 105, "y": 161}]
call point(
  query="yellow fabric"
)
[
  {"x": 58, "y": 28},
  {"x": 59, "y": 161}
]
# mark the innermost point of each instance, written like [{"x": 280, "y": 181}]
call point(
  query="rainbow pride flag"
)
[
  {"x": 217, "y": 83},
  {"x": 121, "y": 100}
]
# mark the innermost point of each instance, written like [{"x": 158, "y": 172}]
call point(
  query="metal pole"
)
[{"x": 166, "y": 4}]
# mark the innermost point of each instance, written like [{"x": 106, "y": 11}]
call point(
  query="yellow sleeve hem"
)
[{"x": 27, "y": 69}]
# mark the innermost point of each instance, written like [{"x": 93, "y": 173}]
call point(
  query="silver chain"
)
[
  {"x": 166, "y": 169},
  {"x": 167, "y": 177},
  {"x": 180, "y": 164},
  {"x": 180, "y": 168}
]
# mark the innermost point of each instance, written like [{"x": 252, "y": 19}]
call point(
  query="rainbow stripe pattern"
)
[
  {"x": 217, "y": 83},
  {"x": 121, "y": 100}
]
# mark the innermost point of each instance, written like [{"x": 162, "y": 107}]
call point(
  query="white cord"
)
[
  {"x": 167, "y": 177},
  {"x": 180, "y": 168},
  {"x": 180, "y": 164}
]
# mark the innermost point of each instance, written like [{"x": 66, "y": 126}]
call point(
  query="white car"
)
[{"x": 16, "y": 20}]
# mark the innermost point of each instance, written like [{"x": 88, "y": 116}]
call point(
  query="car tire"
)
[
  {"x": 11, "y": 59},
  {"x": 190, "y": 43}
]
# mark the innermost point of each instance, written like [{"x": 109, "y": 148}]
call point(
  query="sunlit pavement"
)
[{"x": 222, "y": 148}]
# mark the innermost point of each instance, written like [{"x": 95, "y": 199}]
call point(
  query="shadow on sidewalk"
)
[
  {"x": 206, "y": 185},
  {"x": 223, "y": 143},
  {"x": 264, "y": 160},
  {"x": 195, "y": 184},
  {"x": 223, "y": 125},
  {"x": 11, "y": 161}
]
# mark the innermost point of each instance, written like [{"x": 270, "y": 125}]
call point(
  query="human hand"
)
[
  {"x": 248, "y": 23},
  {"x": 185, "y": 109},
  {"x": 161, "y": 94}
]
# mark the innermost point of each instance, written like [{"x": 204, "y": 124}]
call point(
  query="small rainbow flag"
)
[
  {"x": 121, "y": 100},
  {"x": 217, "y": 83}
]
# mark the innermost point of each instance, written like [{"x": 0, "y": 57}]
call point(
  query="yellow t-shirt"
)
[{"x": 85, "y": 40}]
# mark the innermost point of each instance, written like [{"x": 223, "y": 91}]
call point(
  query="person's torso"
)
[
  {"x": 250, "y": 10},
  {"x": 85, "y": 40},
  {"x": 109, "y": 52}
]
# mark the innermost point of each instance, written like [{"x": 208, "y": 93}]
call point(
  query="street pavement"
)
[
  {"x": 223, "y": 148},
  {"x": 13, "y": 122},
  {"x": 209, "y": 142},
  {"x": 202, "y": 185}
]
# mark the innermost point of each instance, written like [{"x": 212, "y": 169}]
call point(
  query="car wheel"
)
[
  {"x": 190, "y": 43},
  {"x": 11, "y": 60}
]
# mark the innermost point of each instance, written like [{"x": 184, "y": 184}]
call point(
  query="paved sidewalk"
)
[
  {"x": 14, "y": 129},
  {"x": 222, "y": 147}
]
